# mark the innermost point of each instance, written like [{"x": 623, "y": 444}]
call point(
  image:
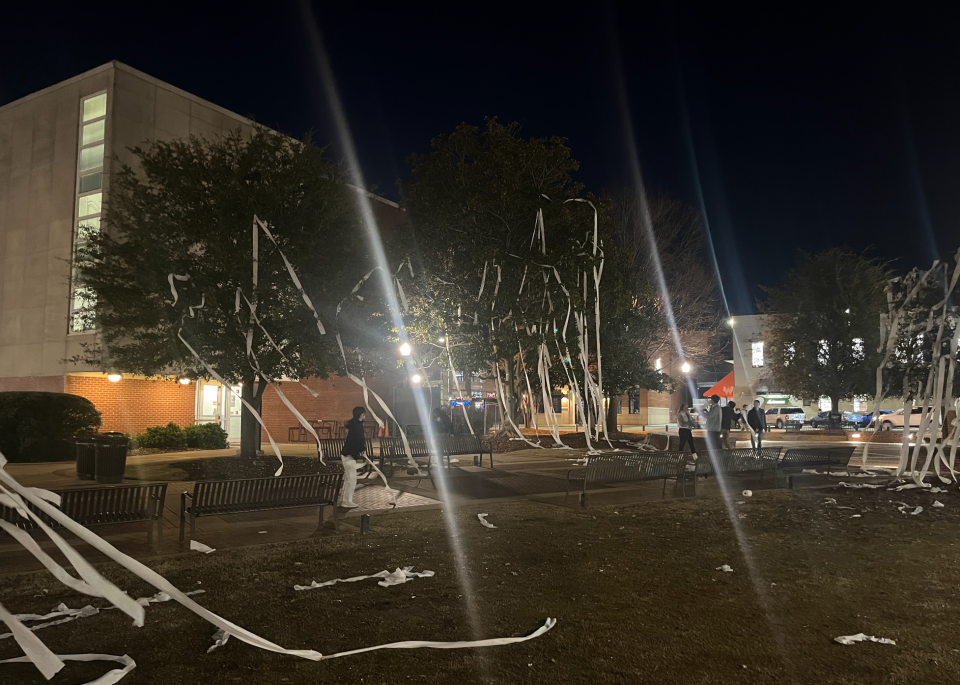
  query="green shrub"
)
[
  {"x": 169, "y": 437},
  {"x": 42, "y": 426},
  {"x": 208, "y": 436}
]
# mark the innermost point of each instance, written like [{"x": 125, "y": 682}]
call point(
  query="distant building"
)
[
  {"x": 58, "y": 148},
  {"x": 754, "y": 380}
]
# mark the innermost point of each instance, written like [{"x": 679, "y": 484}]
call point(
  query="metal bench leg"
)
[
  {"x": 320, "y": 523},
  {"x": 336, "y": 521},
  {"x": 583, "y": 499},
  {"x": 160, "y": 529},
  {"x": 193, "y": 526},
  {"x": 183, "y": 512},
  {"x": 663, "y": 494}
]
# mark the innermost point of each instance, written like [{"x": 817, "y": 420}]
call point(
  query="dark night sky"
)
[{"x": 791, "y": 129}]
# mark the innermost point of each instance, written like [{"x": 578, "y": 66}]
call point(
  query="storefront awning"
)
[{"x": 724, "y": 388}]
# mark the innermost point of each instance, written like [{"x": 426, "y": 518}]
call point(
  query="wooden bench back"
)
[
  {"x": 621, "y": 468},
  {"x": 811, "y": 456},
  {"x": 255, "y": 494},
  {"x": 94, "y": 506},
  {"x": 331, "y": 447}
]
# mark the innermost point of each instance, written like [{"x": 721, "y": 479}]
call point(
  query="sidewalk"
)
[{"x": 537, "y": 474}]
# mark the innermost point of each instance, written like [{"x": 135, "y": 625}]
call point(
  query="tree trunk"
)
[
  {"x": 835, "y": 404},
  {"x": 249, "y": 426},
  {"x": 511, "y": 396},
  {"x": 612, "y": 413}
]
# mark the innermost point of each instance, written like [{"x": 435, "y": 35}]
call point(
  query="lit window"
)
[
  {"x": 858, "y": 348},
  {"x": 87, "y": 229},
  {"x": 823, "y": 352},
  {"x": 91, "y": 157},
  {"x": 84, "y": 301},
  {"x": 757, "y": 353},
  {"x": 826, "y": 404},
  {"x": 89, "y": 204},
  {"x": 658, "y": 364},
  {"x": 93, "y": 133},
  {"x": 91, "y": 182},
  {"x": 95, "y": 107}
]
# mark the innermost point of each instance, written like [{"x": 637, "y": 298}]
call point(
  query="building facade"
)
[
  {"x": 753, "y": 379},
  {"x": 58, "y": 148}
]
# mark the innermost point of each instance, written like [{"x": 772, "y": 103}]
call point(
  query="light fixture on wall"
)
[
  {"x": 686, "y": 368},
  {"x": 415, "y": 378},
  {"x": 184, "y": 380},
  {"x": 113, "y": 376},
  {"x": 441, "y": 339},
  {"x": 405, "y": 349}
]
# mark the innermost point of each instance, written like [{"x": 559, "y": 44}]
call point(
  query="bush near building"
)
[
  {"x": 43, "y": 426},
  {"x": 209, "y": 436}
]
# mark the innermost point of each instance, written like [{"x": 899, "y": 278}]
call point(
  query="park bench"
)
[
  {"x": 392, "y": 449},
  {"x": 331, "y": 448},
  {"x": 628, "y": 468},
  {"x": 465, "y": 445},
  {"x": 732, "y": 462},
  {"x": 814, "y": 457},
  {"x": 220, "y": 497},
  {"x": 140, "y": 503}
]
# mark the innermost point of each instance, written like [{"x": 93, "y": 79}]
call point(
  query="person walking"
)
[
  {"x": 727, "y": 419},
  {"x": 714, "y": 417},
  {"x": 686, "y": 423},
  {"x": 757, "y": 421},
  {"x": 354, "y": 447}
]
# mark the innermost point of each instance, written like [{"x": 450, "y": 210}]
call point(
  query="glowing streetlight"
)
[
  {"x": 405, "y": 349},
  {"x": 114, "y": 377},
  {"x": 416, "y": 378},
  {"x": 686, "y": 367},
  {"x": 730, "y": 321}
]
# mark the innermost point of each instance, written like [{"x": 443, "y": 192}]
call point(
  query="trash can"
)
[
  {"x": 111, "y": 457},
  {"x": 86, "y": 457},
  {"x": 834, "y": 421}
]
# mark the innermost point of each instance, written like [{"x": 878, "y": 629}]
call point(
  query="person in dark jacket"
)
[
  {"x": 727, "y": 418},
  {"x": 757, "y": 421},
  {"x": 442, "y": 425},
  {"x": 354, "y": 447}
]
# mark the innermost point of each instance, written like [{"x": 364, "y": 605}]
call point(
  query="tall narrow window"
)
[
  {"x": 756, "y": 349},
  {"x": 858, "y": 348},
  {"x": 658, "y": 364},
  {"x": 90, "y": 155}
]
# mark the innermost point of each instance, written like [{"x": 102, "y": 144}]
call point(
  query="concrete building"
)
[{"x": 57, "y": 150}]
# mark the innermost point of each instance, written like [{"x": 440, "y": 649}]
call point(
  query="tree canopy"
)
[
  {"x": 188, "y": 210},
  {"x": 824, "y": 326},
  {"x": 509, "y": 247}
]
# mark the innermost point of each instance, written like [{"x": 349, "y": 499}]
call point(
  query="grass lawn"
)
[{"x": 634, "y": 589}]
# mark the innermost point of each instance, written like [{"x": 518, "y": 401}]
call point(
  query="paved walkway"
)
[{"x": 538, "y": 474}]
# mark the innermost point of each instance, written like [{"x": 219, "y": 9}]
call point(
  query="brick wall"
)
[
  {"x": 336, "y": 399},
  {"x": 32, "y": 383},
  {"x": 131, "y": 405}
]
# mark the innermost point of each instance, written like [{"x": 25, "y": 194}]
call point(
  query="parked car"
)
[
  {"x": 867, "y": 417},
  {"x": 778, "y": 416},
  {"x": 822, "y": 419},
  {"x": 895, "y": 419}
]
